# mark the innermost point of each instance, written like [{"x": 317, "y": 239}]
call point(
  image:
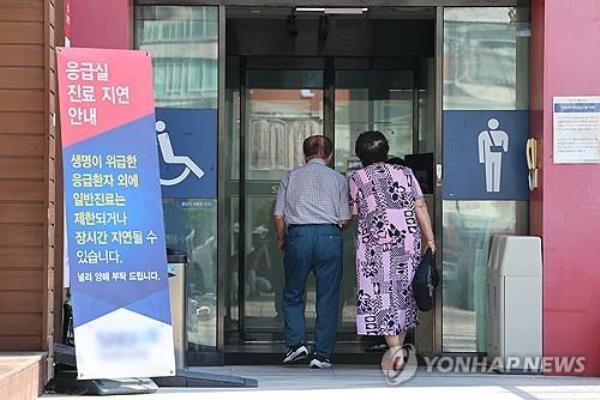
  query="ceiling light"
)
[
  {"x": 333, "y": 10},
  {"x": 340, "y": 10},
  {"x": 310, "y": 9}
]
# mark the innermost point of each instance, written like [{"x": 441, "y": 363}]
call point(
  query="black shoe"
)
[
  {"x": 320, "y": 362},
  {"x": 295, "y": 353}
]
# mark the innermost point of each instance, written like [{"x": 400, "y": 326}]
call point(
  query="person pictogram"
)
[{"x": 493, "y": 142}]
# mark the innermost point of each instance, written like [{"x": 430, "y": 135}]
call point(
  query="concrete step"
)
[{"x": 21, "y": 375}]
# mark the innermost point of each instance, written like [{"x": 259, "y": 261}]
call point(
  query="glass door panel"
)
[
  {"x": 283, "y": 107},
  {"x": 186, "y": 78},
  {"x": 368, "y": 100},
  {"x": 486, "y": 64},
  {"x": 372, "y": 100}
]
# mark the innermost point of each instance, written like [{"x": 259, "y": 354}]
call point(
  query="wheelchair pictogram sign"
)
[
  {"x": 187, "y": 142},
  {"x": 166, "y": 149}
]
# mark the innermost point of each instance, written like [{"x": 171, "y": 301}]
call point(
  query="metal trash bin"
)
[
  {"x": 177, "y": 263},
  {"x": 515, "y": 302}
]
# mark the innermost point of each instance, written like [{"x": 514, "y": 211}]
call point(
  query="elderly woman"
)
[{"x": 392, "y": 216}]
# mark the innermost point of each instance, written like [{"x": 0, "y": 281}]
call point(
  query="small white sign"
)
[{"x": 576, "y": 122}]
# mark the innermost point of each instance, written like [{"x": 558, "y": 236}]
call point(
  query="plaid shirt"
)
[{"x": 313, "y": 194}]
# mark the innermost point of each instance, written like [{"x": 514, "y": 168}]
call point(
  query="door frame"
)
[
  {"x": 438, "y": 224},
  {"x": 329, "y": 65},
  {"x": 250, "y": 63},
  {"x": 218, "y": 357}
]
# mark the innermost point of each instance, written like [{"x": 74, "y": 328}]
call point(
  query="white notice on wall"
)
[{"x": 576, "y": 130}]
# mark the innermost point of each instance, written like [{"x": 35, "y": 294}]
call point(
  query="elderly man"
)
[{"x": 312, "y": 201}]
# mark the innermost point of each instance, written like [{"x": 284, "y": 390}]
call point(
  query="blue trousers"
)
[{"x": 317, "y": 249}]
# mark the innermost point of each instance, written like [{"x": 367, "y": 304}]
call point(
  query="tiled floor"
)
[{"x": 367, "y": 382}]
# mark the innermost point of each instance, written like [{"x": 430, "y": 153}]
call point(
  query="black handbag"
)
[{"x": 425, "y": 281}]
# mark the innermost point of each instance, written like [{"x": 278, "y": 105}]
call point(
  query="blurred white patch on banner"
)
[{"x": 121, "y": 336}]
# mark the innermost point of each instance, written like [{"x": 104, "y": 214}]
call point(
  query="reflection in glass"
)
[
  {"x": 183, "y": 42},
  {"x": 372, "y": 100},
  {"x": 486, "y": 67},
  {"x": 278, "y": 121},
  {"x": 263, "y": 271},
  {"x": 426, "y": 103},
  {"x": 283, "y": 108},
  {"x": 232, "y": 206},
  {"x": 468, "y": 228},
  {"x": 191, "y": 228},
  {"x": 486, "y": 58},
  {"x": 369, "y": 100}
]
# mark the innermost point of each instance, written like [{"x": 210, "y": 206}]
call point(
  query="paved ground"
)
[{"x": 367, "y": 383}]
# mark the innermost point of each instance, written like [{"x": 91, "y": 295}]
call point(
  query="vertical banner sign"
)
[{"x": 114, "y": 218}]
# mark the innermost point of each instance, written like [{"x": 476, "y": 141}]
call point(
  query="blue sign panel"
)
[
  {"x": 111, "y": 243},
  {"x": 187, "y": 143},
  {"x": 484, "y": 155}
]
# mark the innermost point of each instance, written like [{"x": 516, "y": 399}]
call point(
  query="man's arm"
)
[
  {"x": 278, "y": 214},
  {"x": 279, "y": 225},
  {"x": 344, "y": 205}
]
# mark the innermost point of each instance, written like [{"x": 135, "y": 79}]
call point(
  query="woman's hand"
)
[
  {"x": 431, "y": 245},
  {"x": 425, "y": 223}
]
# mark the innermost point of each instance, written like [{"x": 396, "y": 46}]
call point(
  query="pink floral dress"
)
[{"x": 388, "y": 248}]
